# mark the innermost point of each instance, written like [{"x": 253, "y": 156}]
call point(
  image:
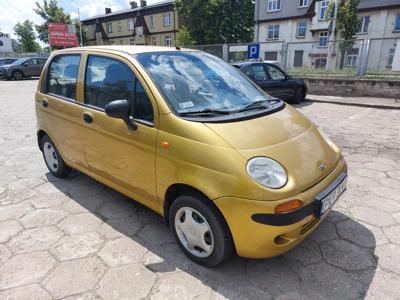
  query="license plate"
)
[{"x": 332, "y": 197}]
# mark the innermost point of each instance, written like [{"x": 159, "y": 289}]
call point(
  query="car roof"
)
[
  {"x": 127, "y": 49},
  {"x": 248, "y": 63}
]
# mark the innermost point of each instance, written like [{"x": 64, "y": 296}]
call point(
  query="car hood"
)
[{"x": 289, "y": 138}]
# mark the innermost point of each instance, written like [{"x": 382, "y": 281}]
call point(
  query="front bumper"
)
[{"x": 259, "y": 233}]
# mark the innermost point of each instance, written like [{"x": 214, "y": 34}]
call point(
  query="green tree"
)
[
  {"x": 26, "y": 36},
  {"x": 184, "y": 37},
  {"x": 206, "y": 20},
  {"x": 50, "y": 12},
  {"x": 16, "y": 46}
]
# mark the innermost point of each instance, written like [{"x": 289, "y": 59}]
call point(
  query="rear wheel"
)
[
  {"x": 299, "y": 96},
  {"x": 53, "y": 159},
  {"x": 200, "y": 230},
  {"x": 17, "y": 75}
]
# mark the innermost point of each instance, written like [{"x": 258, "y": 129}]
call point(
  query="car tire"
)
[
  {"x": 196, "y": 213},
  {"x": 299, "y": 95},
  {"x": 53, "y": 159},
  {"x": 17, "y": 75}
]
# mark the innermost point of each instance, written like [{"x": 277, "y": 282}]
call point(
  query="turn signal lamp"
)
[{"x": 288, "y": 206}]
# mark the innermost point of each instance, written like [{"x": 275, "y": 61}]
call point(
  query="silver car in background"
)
[{"x": 23, "y": 68}]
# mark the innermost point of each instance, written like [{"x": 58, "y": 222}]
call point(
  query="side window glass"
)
[
  {"x": 62, "y": 75},
  {"x": 107, "y": 80},
  {"x": 275, "y": 73},
  {"x": 248, "y": 72},
  {"x": 142, "y": 108},
  {"x": 259, "y": 72}
]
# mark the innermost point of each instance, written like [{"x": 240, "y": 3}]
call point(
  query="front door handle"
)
[
  {"x": 45, "y": 103},
  {"x": 87, "y": 118}
]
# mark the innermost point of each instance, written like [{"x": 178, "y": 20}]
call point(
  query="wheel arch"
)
[{"x": 40, "y": 134}]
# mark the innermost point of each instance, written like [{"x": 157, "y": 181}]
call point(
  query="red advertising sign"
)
[{"x": 62, "y": 35}]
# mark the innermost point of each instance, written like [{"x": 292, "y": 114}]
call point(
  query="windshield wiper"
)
[
  {"x": 206, "y": 112},
  {"x": 254, "y": 105}
]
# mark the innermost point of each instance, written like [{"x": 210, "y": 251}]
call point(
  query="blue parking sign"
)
[{"x": 253, "y": 51}]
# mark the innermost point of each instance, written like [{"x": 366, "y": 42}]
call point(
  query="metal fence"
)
[
  {"x": 24, "y": 54},
  {"x": 361, "y": 57}
]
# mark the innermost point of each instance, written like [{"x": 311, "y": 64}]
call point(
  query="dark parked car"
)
[
  {"x": 22, "y": 68},
  {"x": 7, "y": 61},
  {"x": 274, "y": 81}
]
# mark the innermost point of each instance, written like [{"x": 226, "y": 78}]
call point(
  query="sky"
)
[{"x": 12, "y": 11}]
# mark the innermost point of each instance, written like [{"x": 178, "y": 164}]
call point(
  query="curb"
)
[{"x": 354, "y": 104}]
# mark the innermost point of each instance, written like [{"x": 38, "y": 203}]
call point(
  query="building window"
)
[
  {"x": 132, "y": 41},
  {"x": 323, "y": 9},
  {"x": 139, "y": 31},
  {"x": 298, "y": 58},
  {"x": 391, "y": 57},
  {"x": 109, "y": 27},
  {"x": 273, "y": 32},
  {"x": 167, "y": 20},
  {"x": 152, "y": 22},
  {"x": 121, "y": 42},
  {"x": 303, "y": 3},
  {"x": 153, "y": 40},
  {"x": 131, "y": 24},
  {"x": 351, "y": 58},
  {"x": 274, "y": 5},
  {"x": 301, "y": 29},
  {"x": 364, "y": 24},
  {"x": 271, "y": 55},
  {"x": 119, "y": 26},
  {"x": 320, "y": 63},
  {"x": 168, "y": 41},
  {"x": 397, "y": 23},
  {"x": 323, "y": 39}
]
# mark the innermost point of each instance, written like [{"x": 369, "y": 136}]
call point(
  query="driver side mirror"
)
[{"x": 120, "y": 109}]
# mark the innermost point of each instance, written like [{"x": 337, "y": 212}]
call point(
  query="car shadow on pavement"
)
[{"x": 336, "y": 262}]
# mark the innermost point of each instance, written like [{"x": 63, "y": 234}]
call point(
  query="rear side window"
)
[
  {"x": 62, "y": 76},
  {"x": 108, "y": 79}
]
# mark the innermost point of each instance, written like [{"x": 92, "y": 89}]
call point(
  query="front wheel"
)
[
  {"x": 299, "y": 95},
  {"x": 53, "y": 159},
  {"x": 17, "y": 75},
  {"x": 200, "y": 230}
]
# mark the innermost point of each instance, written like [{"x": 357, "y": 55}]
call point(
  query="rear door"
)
[{"x": 59, "y": 111}]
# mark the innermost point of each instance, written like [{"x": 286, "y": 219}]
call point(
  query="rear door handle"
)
[
  {"x": 45, "y": 103},
  {"x": 87, "y": 118}
]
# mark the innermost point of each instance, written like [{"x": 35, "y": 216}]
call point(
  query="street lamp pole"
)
[{"x": 79, "y": 20}]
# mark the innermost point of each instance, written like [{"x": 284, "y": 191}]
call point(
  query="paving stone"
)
[
  {"x": 122, "y": 251},
  {"x": 108, "y": 231},
  {"x": 12, "y": 212},
  {"x": 48, "y": 200},
  {"x": 43, "y": 217},
  {"x": 394, "y": 174},
  {"x": 117, "y": 209},
  {"x": 156, "y": 234},
  {"x": 83, "y": 296},
  {"x": 48, "y": 188},
  {"x": 73, "y": 207},
  {"x": 307, "y": 252},
  {"x": 80, "y": 223},
  {"x": 126, "y": 226},
  {"x": 393, "y": 233},
  {"x": 24, "y": 269},
  {"x": 77, "y": 245},
  {"x": 16, "y": 196},
  {"x": 132, "y": 281},
  {"x": 380, "y": 203},
  {"x": 8, "y": 229},
  {"x": 384, "y": 286},
  {"x": 329, "y": 282},
  {"x": 324, "y": 232},
  {"x": 372, "y": 216},
  {"x": 25, "y": 183},
  {"x": 35, "y": 239},
  {"x": 356, "y": 233},
  {"x": 5, "y": 254},
  {"x": 74, "y": 277},
  {"x": 347, "y": 256},
  {"x": 31, "y": 292},
  {"x": 379, "y": 166},
  {"x": 388, "y": 257},
  {"x": 179, "y": 286}
]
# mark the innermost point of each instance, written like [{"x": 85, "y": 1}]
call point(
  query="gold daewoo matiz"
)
[{"x": 230, "y": 168}]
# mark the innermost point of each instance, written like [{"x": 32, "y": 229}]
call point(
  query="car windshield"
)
[{"x": 198, "y": 82}]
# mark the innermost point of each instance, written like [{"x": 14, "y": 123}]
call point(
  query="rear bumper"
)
[{"x": 259, "y": 233}]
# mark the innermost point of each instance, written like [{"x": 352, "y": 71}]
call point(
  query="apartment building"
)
[
  {"x": 139, "y": 25},
  {"x": 303, "y": 28}
]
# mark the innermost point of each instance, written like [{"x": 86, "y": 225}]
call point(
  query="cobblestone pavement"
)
[{"x": 77, "y": 239}]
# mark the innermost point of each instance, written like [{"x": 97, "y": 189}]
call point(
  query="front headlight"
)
[{"x": 267, "y": 172}]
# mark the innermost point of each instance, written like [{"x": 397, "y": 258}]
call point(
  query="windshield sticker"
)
[{"x": 185, "y": 105}]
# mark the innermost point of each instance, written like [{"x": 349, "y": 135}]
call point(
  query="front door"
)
[
  {"x": 118, "y": 154},
  {"x": 278, "y": 82}
]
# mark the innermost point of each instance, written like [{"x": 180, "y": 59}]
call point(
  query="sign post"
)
[
  {"x": 62, "y": 35},
  {"x": 253, "y": 51}
]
